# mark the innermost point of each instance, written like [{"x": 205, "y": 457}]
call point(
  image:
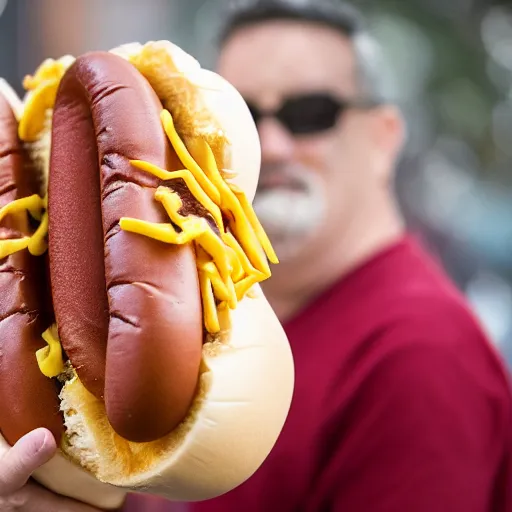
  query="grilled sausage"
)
[{"x": 128, "y": 307}]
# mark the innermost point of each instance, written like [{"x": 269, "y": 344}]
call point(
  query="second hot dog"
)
[{"x": 28, "y": 399}]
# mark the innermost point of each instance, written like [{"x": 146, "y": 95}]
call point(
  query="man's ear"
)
[{"x": 389, "y": 135}]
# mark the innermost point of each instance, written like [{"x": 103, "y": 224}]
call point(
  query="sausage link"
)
[
  {"x": 28, "y": 399},
  {"x": 128, "y": 307}
]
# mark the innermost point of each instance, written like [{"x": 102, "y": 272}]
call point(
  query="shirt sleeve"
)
[{"x": 424, "y": 431}]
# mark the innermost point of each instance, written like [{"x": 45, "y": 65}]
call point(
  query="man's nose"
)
[{"x": 277, "y": 144}]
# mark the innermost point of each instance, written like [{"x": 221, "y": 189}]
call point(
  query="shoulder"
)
[
  {"x": 428, "y": 378},
  {"x": 438, "y": 325},
  {"x": 429, "y": 349},
  {"x": 425, "y": 412},
  {"x": 439, "y": 337}
]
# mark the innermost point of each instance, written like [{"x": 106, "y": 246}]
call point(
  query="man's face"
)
[{"x": 311, "y": 184}]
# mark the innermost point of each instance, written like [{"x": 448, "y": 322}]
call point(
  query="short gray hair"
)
[{"x": 336, "y": 14}]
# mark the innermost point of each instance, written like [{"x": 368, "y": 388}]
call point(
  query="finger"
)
[
  {"x": 20, "y": 461},
  {"x": 35, "y": 498}
]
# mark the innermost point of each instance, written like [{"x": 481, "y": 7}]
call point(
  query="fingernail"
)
[{"x": 44, "y": 443}]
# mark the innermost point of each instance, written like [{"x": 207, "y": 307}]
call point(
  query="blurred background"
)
[{"x": 449, "y": 66}]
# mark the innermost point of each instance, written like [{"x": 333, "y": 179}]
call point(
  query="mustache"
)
[{"x": 289, "y": 176}]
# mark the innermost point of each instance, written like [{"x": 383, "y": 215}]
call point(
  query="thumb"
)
[{"x": 20, "y": 461}]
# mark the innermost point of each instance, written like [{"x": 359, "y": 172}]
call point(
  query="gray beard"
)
[{"x": 290, "y": 217}]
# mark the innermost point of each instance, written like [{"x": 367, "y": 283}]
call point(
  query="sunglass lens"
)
[{"x": 310, "y": 114}]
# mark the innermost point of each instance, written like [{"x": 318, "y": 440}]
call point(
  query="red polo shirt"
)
[{"x": 400, "y": 405}]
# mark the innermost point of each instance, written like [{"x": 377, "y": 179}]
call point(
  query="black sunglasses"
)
[{"x": 310, "y": 113}]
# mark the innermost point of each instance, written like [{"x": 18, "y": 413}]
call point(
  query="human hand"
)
[{"x": 17, "y": 491}]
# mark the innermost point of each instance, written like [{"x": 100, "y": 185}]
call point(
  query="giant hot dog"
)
[{"x": 177, "y": 376}]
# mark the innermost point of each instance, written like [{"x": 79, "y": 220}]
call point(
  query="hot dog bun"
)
[{"x": 228, "y": 421}]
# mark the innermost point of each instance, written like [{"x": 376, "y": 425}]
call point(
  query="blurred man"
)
[{"x": 400, "y": 403}]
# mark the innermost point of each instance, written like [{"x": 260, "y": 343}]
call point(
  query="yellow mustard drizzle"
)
[
  {"x": 228, "y": 265},
  {"x": 42, "y": 88},
  {"x": 36, "y": 243},
  {"x": 49, "y": 358}
]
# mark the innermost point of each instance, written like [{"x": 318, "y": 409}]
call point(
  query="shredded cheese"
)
[{"x": 229, "y": 264}]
